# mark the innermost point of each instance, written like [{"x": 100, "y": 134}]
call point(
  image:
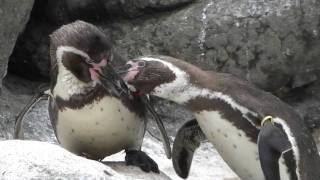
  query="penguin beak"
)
[{"x": 104, "y": 74}]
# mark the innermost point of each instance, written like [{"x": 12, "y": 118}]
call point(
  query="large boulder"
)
[
  {"x": 14, "y": 15},
  {"x": 41, "y": 160}
]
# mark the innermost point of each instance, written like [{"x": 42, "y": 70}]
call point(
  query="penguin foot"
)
[{"x": 142, "y": 160}]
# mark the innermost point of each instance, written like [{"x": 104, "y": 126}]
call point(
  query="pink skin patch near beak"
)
[
  {"x": 97, "y": 67},
  {"x": 132, "y": 72}
]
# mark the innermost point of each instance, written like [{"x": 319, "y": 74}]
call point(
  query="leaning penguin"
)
[
  {"x": 88, "y": 119},
  {"x": 257, "y": 135}
]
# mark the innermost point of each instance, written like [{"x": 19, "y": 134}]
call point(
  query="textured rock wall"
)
[{"x": 14, "y": 15}]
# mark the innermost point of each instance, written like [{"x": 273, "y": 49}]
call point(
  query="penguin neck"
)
[
  {"x": 67, "y": 83},
  {"x": 189, "y": 86},
  {"x": 181, "y": 89}
]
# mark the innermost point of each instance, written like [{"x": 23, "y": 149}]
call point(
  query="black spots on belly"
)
[
  {"x": 230, "y": 114},
  {"x": 128, "y": 128},
  {"x": 97, "y": 123},
  {"x": 225, "y": 135},
  {"x": 234, "y": 146},
  {"x": 119, "y": 110},
  {"x": 239, "y": 134},
  {"x": 122, "y": 119},
  {"x": 219, "y": 130},
  {"x": 72, "y": 130},
  {"x": 101, "y": 109},
  {"x": 212, "y": 134}
]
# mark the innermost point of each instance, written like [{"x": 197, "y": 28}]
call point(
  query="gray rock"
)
[
  {"x": 14, "y": 15},
  {"x": 261, "y": 41},
  {"x": 40, "y": 160},
  {"x": 132, "y": 172},
  {"x": 16, "y": 92},
  {"x": 63, "y": 11}
]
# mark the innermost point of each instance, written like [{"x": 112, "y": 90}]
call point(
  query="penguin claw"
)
[{"x": 141, "y": 159}]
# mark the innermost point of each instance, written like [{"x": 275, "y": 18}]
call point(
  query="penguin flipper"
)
[
  {"x": 187, "y": 140},
  {"x": 164, "y": 136},
  {"x": 18, "y": 134},
  {"x": 272, "y": 142}
]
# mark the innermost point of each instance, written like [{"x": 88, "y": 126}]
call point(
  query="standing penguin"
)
[
  {"x": 259, "y": 136},
  {"x": 87, "y": 119}
]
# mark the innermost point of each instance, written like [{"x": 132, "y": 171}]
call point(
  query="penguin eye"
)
[
  {"x": 141, "y": 64},
  {"x": 89, "y": 60}
]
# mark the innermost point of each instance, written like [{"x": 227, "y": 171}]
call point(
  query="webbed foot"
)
[{"x": 141, "y": 159}]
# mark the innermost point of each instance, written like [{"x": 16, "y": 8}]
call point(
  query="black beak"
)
[{"x": 112, "y": 81}]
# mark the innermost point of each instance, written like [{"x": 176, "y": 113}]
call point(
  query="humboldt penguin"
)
[
  {"x": 88, "y": 119},
  {"x": 258, "y": 136}
]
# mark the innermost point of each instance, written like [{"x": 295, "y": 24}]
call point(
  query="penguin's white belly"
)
[
  {"x": 100, "y": 129},
  {"x": 234, "y": 146}
]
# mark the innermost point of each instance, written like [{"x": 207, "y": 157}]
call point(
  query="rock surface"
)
[
  {"x": 14, "y": 15},
  {"x": 15, "y": 94},
  {"x": 40, "y": 160}
]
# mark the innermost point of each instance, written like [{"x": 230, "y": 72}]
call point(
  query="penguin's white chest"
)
[
  {"x": 233, "y": 145},
  {"x": 100, "y": 129}
]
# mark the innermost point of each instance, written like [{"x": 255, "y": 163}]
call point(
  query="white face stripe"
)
[
  {"x": 292, "y": 141},
  {"x": 63, "y": 49},
  {"x": 67, "y": 84},
  {"x": 181, "y": 91}
]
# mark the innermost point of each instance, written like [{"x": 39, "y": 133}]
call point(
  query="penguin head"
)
[
  {"x": 82, "y": 49},
  {"x": 146, "y": 74}
]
